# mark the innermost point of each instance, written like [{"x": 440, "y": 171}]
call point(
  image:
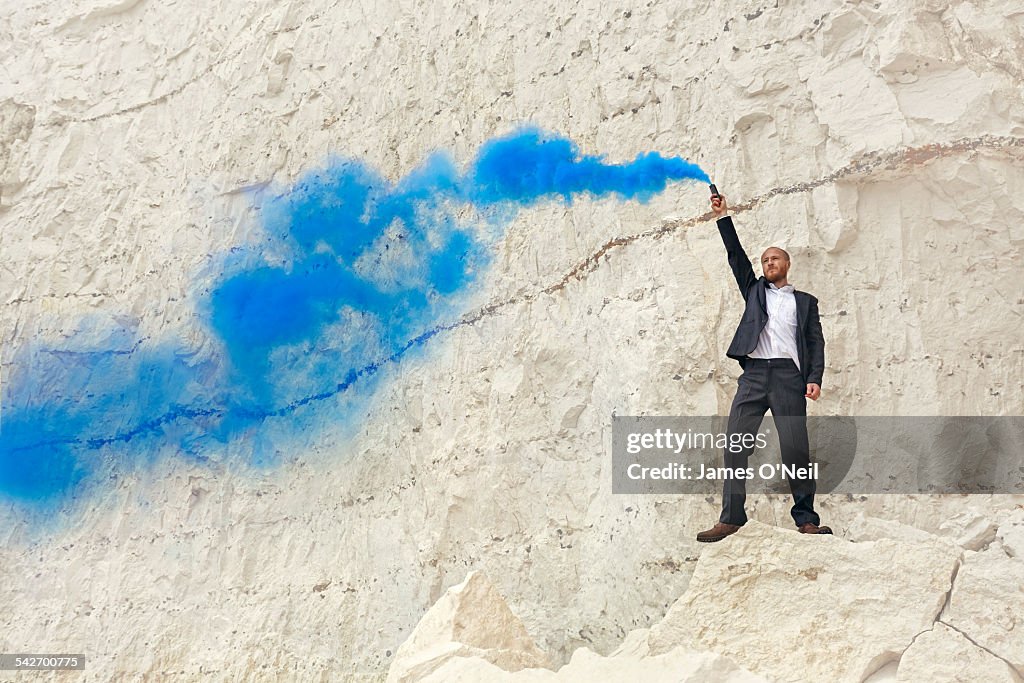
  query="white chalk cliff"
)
[{"x": 881, "y": 143}]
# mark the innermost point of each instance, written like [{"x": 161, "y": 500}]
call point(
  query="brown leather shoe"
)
[
  {"x": 717, "y": 532},
  {"x": 812, "y": 528}
]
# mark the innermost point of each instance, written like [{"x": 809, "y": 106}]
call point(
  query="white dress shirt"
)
[{"x": 778, "y": 338}]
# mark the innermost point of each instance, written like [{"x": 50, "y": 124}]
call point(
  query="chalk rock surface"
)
[
  {"x": 774, "y": 605},
  {"x": 679, "y": 665},
  {"x": 987, "y": 603},
  {"x": 471, "y": 636},
  {"x": 470, "y": 620},
  {"x": 944, "y": 654},
  {"x": 795, "y": 607}
]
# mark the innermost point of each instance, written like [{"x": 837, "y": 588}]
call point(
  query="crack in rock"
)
[{"x": 981, "y": 647}]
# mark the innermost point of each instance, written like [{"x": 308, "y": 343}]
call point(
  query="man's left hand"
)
[{"x": 813, "y": 392}]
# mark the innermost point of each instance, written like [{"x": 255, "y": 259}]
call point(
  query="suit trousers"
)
[{"x": 776, "y": 384}]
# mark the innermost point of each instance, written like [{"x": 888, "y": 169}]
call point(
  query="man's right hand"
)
[{"x": 718, "y": 206}]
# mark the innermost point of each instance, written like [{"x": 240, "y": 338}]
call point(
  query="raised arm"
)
[{"x": 738, "y": 260}]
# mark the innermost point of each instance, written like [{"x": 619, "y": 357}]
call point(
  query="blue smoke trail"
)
[
  {"x": 529, "y": 166},
  {"x": 352, "y": 272}
]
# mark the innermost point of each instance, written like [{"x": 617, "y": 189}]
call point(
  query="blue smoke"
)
[
  {"x": 529, "y": 166},
  {"x": 350, "y": 273}
]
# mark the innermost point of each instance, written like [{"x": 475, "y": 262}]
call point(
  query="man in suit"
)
[{"x": 781, "y": 349}]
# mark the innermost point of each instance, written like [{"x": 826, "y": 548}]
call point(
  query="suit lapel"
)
[
  {"x": 803, "y": 304},
  {"x": 762, "y": 295}
]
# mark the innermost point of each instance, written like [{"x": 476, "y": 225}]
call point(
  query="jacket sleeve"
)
[
  {"x": 815, "y": 344},
  {"x": 738, "y": 260}
]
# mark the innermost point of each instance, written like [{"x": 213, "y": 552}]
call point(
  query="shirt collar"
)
[{"x": 785, "y": 288}]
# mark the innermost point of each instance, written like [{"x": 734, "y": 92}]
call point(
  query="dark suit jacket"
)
[{"x": 809, "y": 339}]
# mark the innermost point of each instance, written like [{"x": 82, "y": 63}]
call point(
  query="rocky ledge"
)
[{"x": 885, "y": 602}]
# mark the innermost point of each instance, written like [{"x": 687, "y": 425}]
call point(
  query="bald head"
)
[
  {"x": 775, "y": 265},
  {"x": 778, "y": 250}
]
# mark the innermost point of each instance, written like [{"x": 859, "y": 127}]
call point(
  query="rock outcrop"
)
[
  {"x": 470, "y": 620},
  {"x": 471, "y": 636},
  {"x": 774, "y": 605},
  {"x": 793, "y": 607}
]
